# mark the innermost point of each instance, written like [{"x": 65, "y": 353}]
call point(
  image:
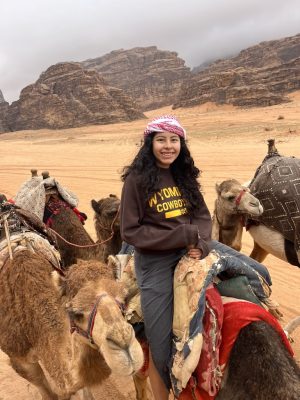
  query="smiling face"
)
[{"x": 166, "y": 148}]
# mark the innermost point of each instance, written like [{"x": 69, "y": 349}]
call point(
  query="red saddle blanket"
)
[{"x": 236, "y": 315}]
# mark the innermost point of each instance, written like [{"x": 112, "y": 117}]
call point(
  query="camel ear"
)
[
  {"x": 113, "y": 195},
  {"x": 218, "y": 190},
  {"x": 95, "y": 206}
]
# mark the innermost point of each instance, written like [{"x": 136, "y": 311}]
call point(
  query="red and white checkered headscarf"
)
[{"x": 167, "y": 123}]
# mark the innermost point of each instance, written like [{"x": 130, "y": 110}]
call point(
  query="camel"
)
[
  {"x": 81, "y": 246},
  {"x": 77, "y": 343},
  {"x": 73, "y": 240},
  {"x": 233, "y": 201},
  {"x": 228, "y": 224},
  {"x": 85, "y": 271},
  {"x": 107, "y": 224},
  {"x": 228, "y": 221},
  {"x": 259, "y": 366}
]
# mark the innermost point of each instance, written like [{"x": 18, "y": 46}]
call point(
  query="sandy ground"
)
[{"x": 225, "y": 143}]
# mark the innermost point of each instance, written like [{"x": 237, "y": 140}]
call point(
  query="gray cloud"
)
[{"x": 35, "y": 34}]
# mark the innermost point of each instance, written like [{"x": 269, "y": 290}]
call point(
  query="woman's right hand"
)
[{"x": 194, "y": 252}]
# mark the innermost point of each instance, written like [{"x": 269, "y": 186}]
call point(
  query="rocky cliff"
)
[
  {"x": 3, "y": 117},
  {"x": 261, "y": 75},
  {"x": 66, "y": 96},
  {"x": 150, "y": 76},
  {"x": 2, "y": 100}
]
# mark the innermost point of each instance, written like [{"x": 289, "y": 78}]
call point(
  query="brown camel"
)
[
  {"x": 78, "y": 343},
  {"x": 232, "y": 203},
  {"x": 73, "y": 240},
  {"x": 85, "y": 271},
  {"x": 259, "y": 366},
  {"x": 228, "y": 223},
  {"x": 69, "y": 227},
  {"x": 273, "y": 231},
  {"x": 35, "y": 329},
  {"x": 107, "y": 224}
]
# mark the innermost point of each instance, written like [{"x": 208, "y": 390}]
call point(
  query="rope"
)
[
  {"x": 89, "y": 245},
  {"x": 6, "y": 228}
]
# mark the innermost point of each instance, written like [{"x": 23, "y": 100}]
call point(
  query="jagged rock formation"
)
[
  {"x": 66, "y": 96},
  {"x": 3, "y": 117},
  {"x": 150, "y": 76},
  {"x": 259, "y": 76},
  {"x": 2, "y": 100},
  {"x": 3, "y": 114}
]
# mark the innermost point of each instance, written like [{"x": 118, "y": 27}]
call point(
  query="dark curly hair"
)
[{"x": 183, "y": 169}]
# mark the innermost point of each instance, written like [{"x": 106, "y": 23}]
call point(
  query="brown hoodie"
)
[{"x": 162, "y": 224}]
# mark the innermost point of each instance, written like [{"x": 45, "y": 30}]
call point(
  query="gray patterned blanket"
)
[
  {"x": 32, "y": 195},
  {"x": 277, "y": 186}
]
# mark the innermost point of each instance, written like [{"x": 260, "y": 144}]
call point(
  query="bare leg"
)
[
  {"x": 34, "y": 374},
  {"x": 258, "y": 253},
  {"x": 159, "y": 389}
]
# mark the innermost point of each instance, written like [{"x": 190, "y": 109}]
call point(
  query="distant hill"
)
[
  {"x": 67, "y": 96},
  {"x": 119, "y": 85},
  {"x": 261, "y": 75},
  {"x": 152, "y": 77}
]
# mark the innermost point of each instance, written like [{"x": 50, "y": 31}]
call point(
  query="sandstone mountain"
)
[
  {"x": 3, "y": 114},
  {"x": 261, "y": 75},
  {"x": 2, "y": 100},
  {"x": 65, "y": 96},
  {"x": 152, "y": 77},
  {"x": 3, "y": 117}
]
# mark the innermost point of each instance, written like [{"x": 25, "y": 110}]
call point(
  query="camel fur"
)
[
  {"x": 107, "y": 223},
  {"x": 35, "y": 329},
  {"x": 260, "y": 367},
  {"x": 67, "y": 225}
]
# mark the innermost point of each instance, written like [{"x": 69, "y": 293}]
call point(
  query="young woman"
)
[{"x": 164, "y": 216}]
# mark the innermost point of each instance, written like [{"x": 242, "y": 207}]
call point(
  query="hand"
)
[{"x": 194, "y": 252}]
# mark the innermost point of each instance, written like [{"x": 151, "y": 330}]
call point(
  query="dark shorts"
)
[{"x": 155, "y": 279}]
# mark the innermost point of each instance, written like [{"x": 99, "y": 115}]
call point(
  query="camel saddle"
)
[
  {"x": 277, "y": 186},
  {"x": 25, "y": 231}
]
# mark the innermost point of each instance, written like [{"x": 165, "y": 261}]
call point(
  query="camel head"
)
[
  {"x": 96, "y": 310},
  {"x": 233, "y": 198},
  {"x": 106, "y": 213}
]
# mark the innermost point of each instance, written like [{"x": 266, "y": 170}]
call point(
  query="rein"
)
[{"x": 94, "y": 244}]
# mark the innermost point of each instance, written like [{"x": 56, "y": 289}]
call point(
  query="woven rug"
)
[{"x": 277, "y": 186}]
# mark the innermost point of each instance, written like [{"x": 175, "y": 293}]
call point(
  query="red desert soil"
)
[{"x": 225, "y": 142}]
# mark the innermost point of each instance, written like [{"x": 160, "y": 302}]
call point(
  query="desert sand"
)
[{"x": 225, "y": 142}]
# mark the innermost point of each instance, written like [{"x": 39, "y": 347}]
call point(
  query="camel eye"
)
[{"x": 230, "y": 198}]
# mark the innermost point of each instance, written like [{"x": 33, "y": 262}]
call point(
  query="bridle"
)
[
  {"x": 88, "y": 334},
  {"x": 239, "y": 197},
  {"x": 236, "y": 209}
]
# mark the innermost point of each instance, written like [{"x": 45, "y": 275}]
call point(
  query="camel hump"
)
[{"x": 277, "y": 187}]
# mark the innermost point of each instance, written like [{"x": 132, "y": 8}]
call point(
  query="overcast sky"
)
[{"x": 35, "y": 34}]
